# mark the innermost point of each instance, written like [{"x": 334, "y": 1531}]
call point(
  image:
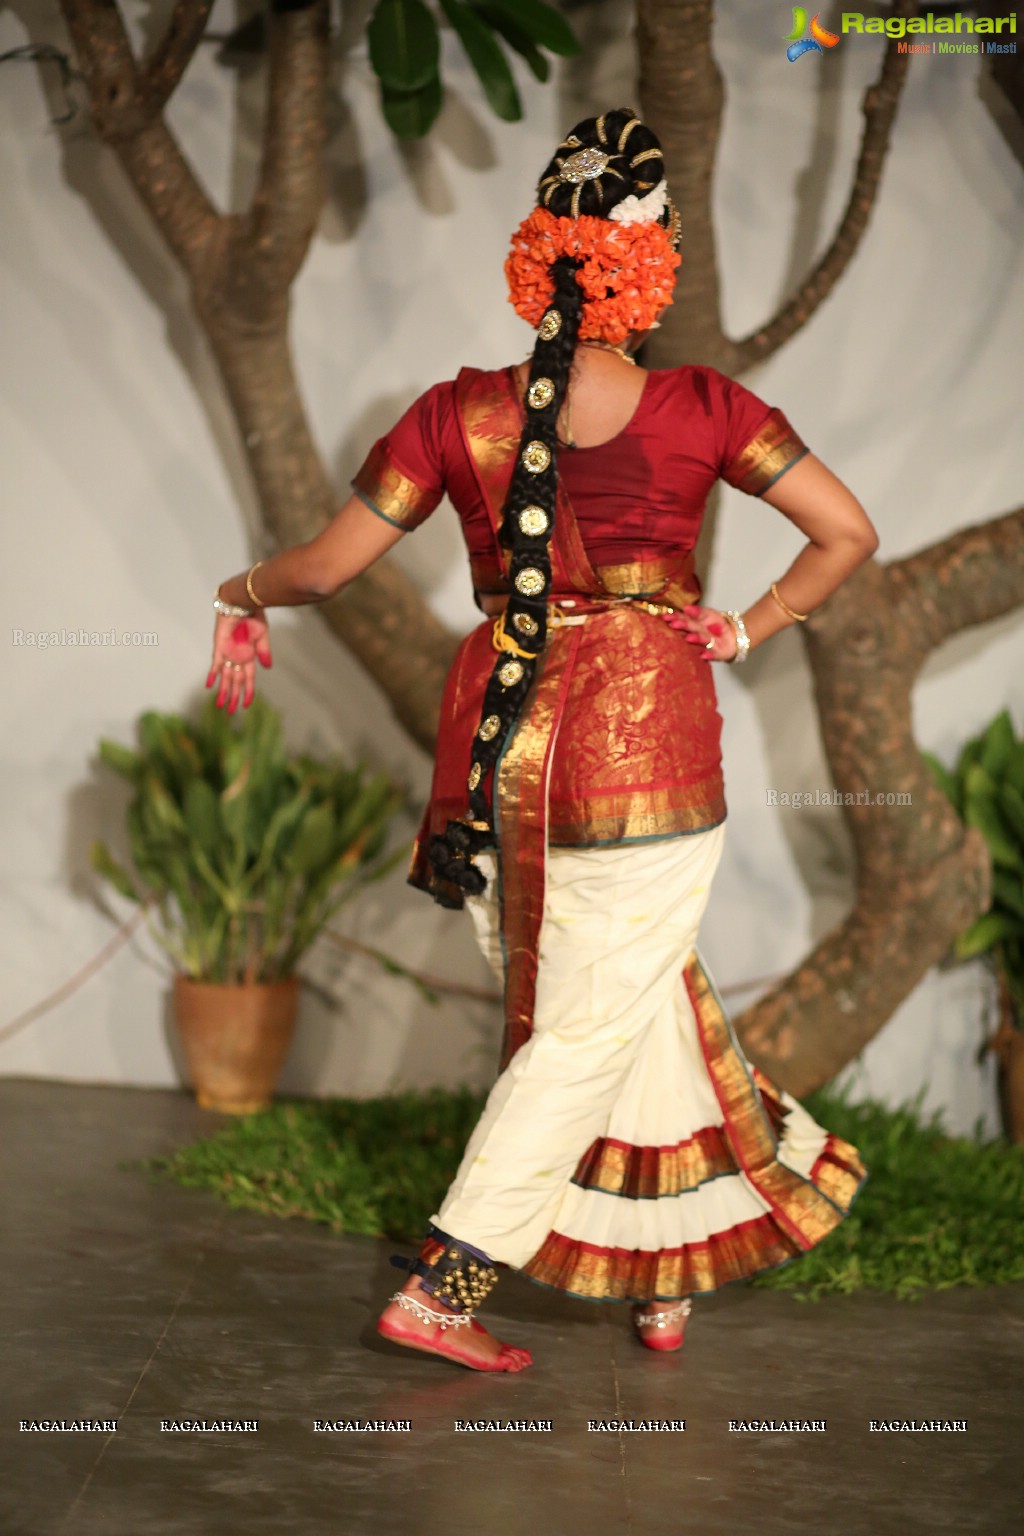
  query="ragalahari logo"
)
[{"x": 819, "y": 40}]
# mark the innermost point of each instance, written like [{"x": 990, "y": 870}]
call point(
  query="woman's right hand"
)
[
  {"x": 702, "y": 625},
  {"x": 237, "y": 645}
]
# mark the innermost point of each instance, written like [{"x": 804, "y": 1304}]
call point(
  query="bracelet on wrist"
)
[
  {"x": 248, "y": 584},
  {"x": 230, "y": 610},
  {"x": 742, "y": 638},
  {"x": 800, "y": 617}
]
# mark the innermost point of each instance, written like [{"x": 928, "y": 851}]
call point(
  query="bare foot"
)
[
  {"x": 469, "y": 1345},
  {"x": 666, "y": 1335}
]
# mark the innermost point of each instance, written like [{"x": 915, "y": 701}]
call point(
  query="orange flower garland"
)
[{"x": 627, "y": 276}]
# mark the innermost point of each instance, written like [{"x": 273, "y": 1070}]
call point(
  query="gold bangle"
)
[
  {"x": 248, "y": 585},
  {"x": 800, "y": 617}
]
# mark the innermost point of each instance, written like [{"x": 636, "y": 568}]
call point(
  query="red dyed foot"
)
[
  {"x": 466, "y": 1343},
  {"x": 661, "y": 1325}
]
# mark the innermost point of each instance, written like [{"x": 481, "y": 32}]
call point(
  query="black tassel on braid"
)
[{"x": 528, "y": 517}]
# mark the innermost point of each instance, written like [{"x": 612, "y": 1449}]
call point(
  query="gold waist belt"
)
[{"x": 557, "y": 617}]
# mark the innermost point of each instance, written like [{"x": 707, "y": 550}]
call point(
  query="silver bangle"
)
[
  {"x": 230, "y": 610},
  {"x": 742, "y": 638}
]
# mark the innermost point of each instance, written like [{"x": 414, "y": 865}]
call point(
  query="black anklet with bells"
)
[{"x": 452, "y": 1272}]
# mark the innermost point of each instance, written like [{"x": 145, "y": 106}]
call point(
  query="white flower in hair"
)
[{"x": 642, "y": 210}]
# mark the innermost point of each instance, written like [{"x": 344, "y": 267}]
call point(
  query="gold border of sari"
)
[
  {"x": 520, "y": 802},
  {"x": 802, "y": 1213},
  {"x": 808, "y": 1212}
]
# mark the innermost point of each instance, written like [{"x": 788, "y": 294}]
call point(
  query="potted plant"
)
[
  {"x": 241, "y": 855},
  {"x": 986, "y": 786}
]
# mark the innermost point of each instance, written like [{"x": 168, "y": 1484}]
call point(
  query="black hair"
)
[
  {"x": 634, "y": 166},
  {"x": 625, "y": 160}
]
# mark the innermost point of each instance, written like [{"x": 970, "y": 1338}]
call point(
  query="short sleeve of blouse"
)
[
  {"x": 755, "y": 442},
  {"x": 402, "y": 477}
]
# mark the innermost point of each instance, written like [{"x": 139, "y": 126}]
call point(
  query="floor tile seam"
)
[
  {"x": 176, "y": 1307},
  {"x": 622, "y": 1439}
]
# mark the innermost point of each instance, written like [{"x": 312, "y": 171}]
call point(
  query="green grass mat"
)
[{"x": 936, "y": 1211}]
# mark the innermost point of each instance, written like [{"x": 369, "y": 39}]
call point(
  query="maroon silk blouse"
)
[{"x": 640, "y": 495}]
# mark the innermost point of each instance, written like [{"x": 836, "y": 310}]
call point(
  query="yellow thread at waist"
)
[{"x": 502, "y": 641}]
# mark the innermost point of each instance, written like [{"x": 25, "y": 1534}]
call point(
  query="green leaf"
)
[
  {"x": 968, "y": 757},
  {"x": 997, "y": 745},
  {"x": 121, "y": 759},
  {"x": 152, "y": 732},
  {"x": 981, "y": 811},
  {"x": 485, "y": 55},
  {"x": 411, "y": 114},
  {"x": 370, "y": 804},
  {"x": 147, "y": 854},
  {"x": 104, "y": 863},
  {"x": 202, "y": 817},
  {"x": 542, "y": 23},
  {"x": 1011, "y": 803},
  {"x": 989, "y": 929},
  {"x": 312, "y": 847},
  {"x": 1015, "y": 768},
  {"x": 404, "y": 44},
  {"x": 517, "y": 39},
  {"x": 159, "y": 806},
  {"x": 1008, "y": 890}
]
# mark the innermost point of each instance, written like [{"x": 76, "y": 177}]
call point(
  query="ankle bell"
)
[{"x": 452, "y": 1272}]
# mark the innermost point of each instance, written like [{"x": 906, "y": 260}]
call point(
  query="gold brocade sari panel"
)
[{"x": 638, "y": 751}]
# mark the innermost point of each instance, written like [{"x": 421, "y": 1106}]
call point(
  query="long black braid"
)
[{"x": 633, "y": 166}]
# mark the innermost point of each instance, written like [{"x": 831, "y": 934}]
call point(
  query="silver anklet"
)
[
  {"x": 662, "y": 1319},
  {"x": 428, "y": 1315}
]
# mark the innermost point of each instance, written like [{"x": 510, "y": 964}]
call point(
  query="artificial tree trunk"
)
[
  {"x": 240, "y": 269},
  {"x": 922, "y": 876}
]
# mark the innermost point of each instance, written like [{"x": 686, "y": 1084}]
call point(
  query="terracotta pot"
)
[
  {"x": 235, "y": 1039},
  {"x": 1012, "y": 1085}
]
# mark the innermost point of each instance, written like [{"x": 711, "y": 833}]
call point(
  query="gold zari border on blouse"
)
[
  {"x": 774, "y": 449},
  {"x": 391, "y": 493}
]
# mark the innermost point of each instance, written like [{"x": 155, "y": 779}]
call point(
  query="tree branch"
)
[
  {"x": 681, "y": 98},
  {"x": 975, "y": 575},
  {"x": 922, "y": 876},
  {"x": 173, "y": 54},
  {"x": 292, "y": 180},
  {"x": 128, "y": 119},
  {"x": 880, "y": 105}
]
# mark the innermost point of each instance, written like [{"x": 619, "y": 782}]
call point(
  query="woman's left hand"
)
[
  {"x": 237, "y": 645},
  {"x": 701, "y": 625}
]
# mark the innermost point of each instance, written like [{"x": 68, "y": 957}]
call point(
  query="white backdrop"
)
[{"x": 126, "y": 500}]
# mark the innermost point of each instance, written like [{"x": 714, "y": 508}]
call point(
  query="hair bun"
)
[{"x": 602, "y": 161}]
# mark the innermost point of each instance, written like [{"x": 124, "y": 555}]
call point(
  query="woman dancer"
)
[{"x": 628, "y": 1150}]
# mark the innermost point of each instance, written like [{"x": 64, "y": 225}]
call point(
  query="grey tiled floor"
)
[{"x": 134, "y": 1300}]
